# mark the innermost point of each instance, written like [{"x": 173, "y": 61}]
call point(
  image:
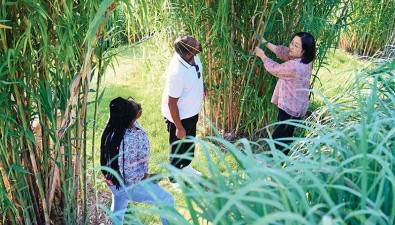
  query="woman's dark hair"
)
[
  {"x": 122, "y": 113},
  {"x": 308, "y": 46}
]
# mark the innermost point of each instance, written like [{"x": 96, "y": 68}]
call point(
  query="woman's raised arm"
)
[{"x": 269, "y": 45}]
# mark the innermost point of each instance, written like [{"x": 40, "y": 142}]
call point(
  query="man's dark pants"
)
[{"x": 185, "y": 149}]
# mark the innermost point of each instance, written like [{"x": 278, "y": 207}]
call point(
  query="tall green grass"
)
[
  {"x": 372, "y": 28},
  {"x": 47, "y": 60}
]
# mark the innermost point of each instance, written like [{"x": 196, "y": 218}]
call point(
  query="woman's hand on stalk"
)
[{"x": 260, "y": 53}]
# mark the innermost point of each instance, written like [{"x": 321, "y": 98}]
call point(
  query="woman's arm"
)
[
  {"x": 285, "y": 71},
  {"x": 269, "y": 45},
  {"x": 282, "y": 52}
]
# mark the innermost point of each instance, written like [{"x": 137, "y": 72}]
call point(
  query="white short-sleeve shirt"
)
[{"x": 182, "y": 82}]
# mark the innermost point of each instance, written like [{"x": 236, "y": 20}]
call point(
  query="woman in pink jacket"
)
[{"x": 291, "y": 94}]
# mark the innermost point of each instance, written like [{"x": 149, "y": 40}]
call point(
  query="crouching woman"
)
[{"x": 125, "y": 148}]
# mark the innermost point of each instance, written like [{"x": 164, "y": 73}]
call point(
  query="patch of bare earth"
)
[{"x": 96, "y": 215}]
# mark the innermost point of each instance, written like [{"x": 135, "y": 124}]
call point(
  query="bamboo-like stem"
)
[
  {"x": 33, "y": 158},
  {"x": 40, "y": 87},
  {"x": 208, "y": 69},
  {"x": 259, "y": 30},
  {"x": 6, "y": 184}
]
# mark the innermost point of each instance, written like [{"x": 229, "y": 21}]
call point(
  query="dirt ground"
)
[
  {"x": 96, "y": 215},
  {"x": 99, "y": 216}
]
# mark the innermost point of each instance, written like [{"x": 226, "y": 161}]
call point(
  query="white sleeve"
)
[{"x": 175, "y": 87}]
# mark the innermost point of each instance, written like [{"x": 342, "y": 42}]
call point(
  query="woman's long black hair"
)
[
  {"x": 121, "y": 115},
  {"x": 308, "y": 46}
]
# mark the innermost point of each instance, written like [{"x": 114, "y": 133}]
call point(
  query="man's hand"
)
[{"x": 180, "y": 132}]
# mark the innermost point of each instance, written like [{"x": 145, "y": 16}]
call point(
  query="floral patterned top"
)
[
  {"x": 133, "y": 162},
  {"x": 291, "y": 92}
]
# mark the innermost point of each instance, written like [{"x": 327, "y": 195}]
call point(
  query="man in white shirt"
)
[{"x": 182, "y": 99}]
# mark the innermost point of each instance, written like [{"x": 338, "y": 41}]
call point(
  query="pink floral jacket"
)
[
  {"x": 291, "y": 93},
  {"x": 133, "y": 155},
  {"x": 133, "y": 163}
]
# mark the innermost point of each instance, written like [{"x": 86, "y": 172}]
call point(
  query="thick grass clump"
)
[
  {"x": 372, "y": 28},
  {"x": 49, "y": 52}
]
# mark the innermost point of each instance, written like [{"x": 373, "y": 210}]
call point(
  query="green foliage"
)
[
  {"x": 372, "y": 27},
  {"x": 336, "y": 76},
  {"x": 47, "y": 60}
]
